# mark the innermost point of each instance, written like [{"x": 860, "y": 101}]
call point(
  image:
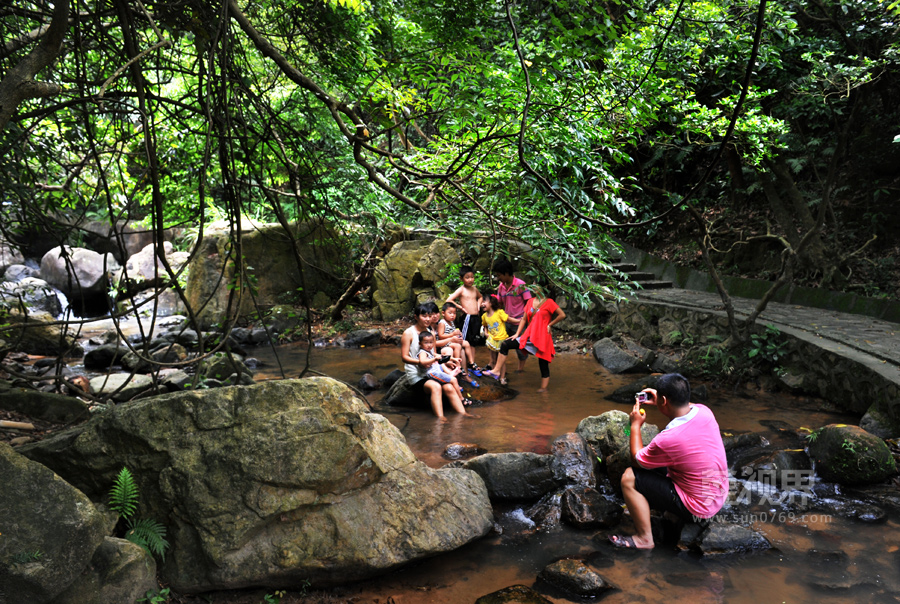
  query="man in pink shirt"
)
[
  {"x": 514, "y": 294},
  {"x": 690, "y": 449}
]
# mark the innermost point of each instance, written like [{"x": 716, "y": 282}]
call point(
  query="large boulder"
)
[
  {"x": 274, "y": 484},
  {"x": 40, "y": 334},
  {"x": 143, "y": 277},
  {"x": 393, "y": 279},
  {"x": 78, "y": 272},
  {"x": 850, "y": 455},
  {"x": 49, "y": 529},
  {"x": 516, "y": 476},
  {"x": 267, "y": 266},
  {"x": 9, "y": 255}
]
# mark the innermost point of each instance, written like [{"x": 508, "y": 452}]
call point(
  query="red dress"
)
[{"x": 537, "y": 328}]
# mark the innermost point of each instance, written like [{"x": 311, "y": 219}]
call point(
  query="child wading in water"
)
[
  {"x": 534, "y": 336},
  {"x": 469, "y": 303},
  {"x": 494, "y": 321},
  {"x": 449, "y": 335}
]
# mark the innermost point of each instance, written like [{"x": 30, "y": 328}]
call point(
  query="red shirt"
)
[{"x": 536, "y": 331}]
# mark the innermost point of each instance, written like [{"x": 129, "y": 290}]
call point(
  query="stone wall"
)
[{"x": 852, "y": 381}]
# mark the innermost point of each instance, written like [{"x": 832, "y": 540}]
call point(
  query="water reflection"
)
[{"x": 819, "y": 557}]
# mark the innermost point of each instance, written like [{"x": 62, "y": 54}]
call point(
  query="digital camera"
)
[{"x": 642, "y": 397}]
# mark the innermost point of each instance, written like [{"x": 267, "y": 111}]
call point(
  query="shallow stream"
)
[{"x": 806, "y": 565}]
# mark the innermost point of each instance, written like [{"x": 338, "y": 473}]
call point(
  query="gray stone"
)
[
  {"x": 616, "y": 360},
  {"x": 120, "y": 572},
  {"x": 121, "y": 386},
  {"x": 393, "y": 279},
  {"x": 105, "y": 356},
  {"x": 361, "y": 338},
  {"x": 515, "y": 476},
  {"x": 367, "y": 383},
  {"x": 608, "y": 432},
  {"x": 78, "y": 272},
  {"x": 44, "y": 406},
  {"x": 9, "y": 256},
  {"x": 274, "y": 485},
  {"x": 573, "y": 459},
  {"x": 50, "y": 530},
  {"x": 879, "y": 423},
  {"x": 728, "y": 539},
  {"x": 39, "y": 334}
]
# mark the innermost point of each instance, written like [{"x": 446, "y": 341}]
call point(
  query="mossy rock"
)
[{"x": 849, "y": 455}]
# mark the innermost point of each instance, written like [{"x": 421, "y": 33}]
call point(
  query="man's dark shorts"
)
[{"x": 660, "y": 492}]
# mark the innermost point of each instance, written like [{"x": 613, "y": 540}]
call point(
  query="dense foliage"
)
[{"x": 547, "y": 124}]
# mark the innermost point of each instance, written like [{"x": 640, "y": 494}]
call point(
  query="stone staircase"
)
[{"x": 644, "y": 280}]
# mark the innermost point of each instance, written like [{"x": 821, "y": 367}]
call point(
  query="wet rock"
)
[
  {"x": 391, "y": 378},
  {"x": 367, "y": 383},
  {"x": 35, "y": 294},
  {"x": 105, "y": 356},
  {"x": 547, "y": 512},
  {"x": 617, "y": 360},
  {"x": 727, "y": 539},
  {"x": 188, "y": 338},
  {"x": 260, "y": 335},
  {"x": 849, "y": 455},
  {"x": 462, "y": 451},
  {"x": 515, "y": 594},
  {"x": 574, "y": 576},
  {"x": 361, "y": 338},
  {"x": 784, "y": 469},
  {"x": 400, "y": 394},
  {"x": 573, "y": 459},
  {"x": 625, "y": 394},
  {"x": 736, "y": 442},
  {"x": 515, "y": 476},
  {"x": 585, "y": 507},
  {"x": 828, "y": 558},
  {"x": 17, "y": 272},
  {"x": 854, "y": 510},
  {"x": 664, "y": 363}
]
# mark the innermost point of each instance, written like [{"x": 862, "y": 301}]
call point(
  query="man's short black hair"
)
[
  {"x": 676, "y": 388},
  {"x": 447, "y": 305},
  {"x": 503, "y": 267},
  {"x": 465, "y": 268}
]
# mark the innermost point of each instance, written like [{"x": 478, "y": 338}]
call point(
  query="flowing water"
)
[{"x": 803, "y": 567}]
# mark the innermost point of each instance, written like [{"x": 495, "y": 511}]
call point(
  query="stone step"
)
[
  {"x": 655, "y": 284},
  {"x": 625, "y": 267},
  {"x": 639, "y": 276}
]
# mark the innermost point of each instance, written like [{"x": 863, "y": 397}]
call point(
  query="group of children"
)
[{"x": 511, "y": 309}]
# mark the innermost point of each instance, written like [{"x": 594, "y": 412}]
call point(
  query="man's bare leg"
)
[{"x": 639, "y": 509}]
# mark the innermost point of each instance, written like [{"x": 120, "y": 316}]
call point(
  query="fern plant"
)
[
  {"x": 145, "y": 532},
  {"x": 123, "y": 497}
]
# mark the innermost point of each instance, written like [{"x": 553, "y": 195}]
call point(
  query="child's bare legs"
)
[
  {"x": 470, "y": 352},
  {"x": 437, "y": 403},
  {"x": 522, "y": 358},
  {"x": 493, "y": 359},
  {"x": 452, "y": 392},
  {"x": 457, "y": 352},
  {"x": 545, "y": 381}
]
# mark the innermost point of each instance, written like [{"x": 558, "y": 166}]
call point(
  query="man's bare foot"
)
[
  {"x": 442, "y": 419},
  {"x": 471, "y": 415},
  {"x": 542, "y": 390}
]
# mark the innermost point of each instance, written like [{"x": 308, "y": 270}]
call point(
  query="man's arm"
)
[{"x": 636, "y": 442}]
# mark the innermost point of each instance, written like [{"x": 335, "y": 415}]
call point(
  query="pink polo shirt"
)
[
  {"x": 693, "y": 452},
  {"x": 514, "y": 297}
]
